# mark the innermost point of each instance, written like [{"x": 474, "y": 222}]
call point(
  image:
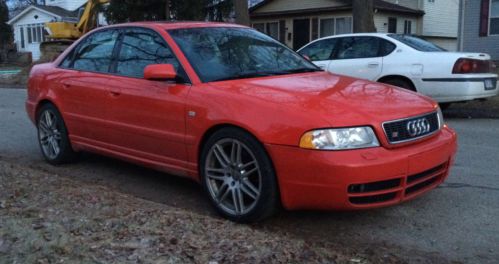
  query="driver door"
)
[{"x": 148, "y": 117}]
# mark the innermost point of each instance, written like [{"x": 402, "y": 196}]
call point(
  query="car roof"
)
[
  {"x": 167, "y": 25},
  {"x": 382, "y": 35}
]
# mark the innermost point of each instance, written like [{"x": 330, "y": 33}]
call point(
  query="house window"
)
[
  {"x": 392, "y": 25},
  {"x": 407, "y": 27},
  {"x": 494, "y": 17},
  {"x": 273, "y": 30},
  {"x": 326, "y": 27},
  {"x": 36, "y": 33},
  {"x": 343, "y": 25},
  {"x": 259, "y": 26},
  {"x": 23, "y": 45},
  {"x": 269, "y": 28},
  {"x": 335, "y": 26}
]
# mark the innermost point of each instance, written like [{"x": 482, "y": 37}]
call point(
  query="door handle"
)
[
  {"x": 66, "y": 85},
  {"x": 373, "y": 64}
]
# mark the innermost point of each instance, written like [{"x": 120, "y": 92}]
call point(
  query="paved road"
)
[{"x": 458, "y": 221}]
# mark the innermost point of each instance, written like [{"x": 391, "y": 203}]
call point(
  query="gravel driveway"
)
[{"x": 456, "y": 222}]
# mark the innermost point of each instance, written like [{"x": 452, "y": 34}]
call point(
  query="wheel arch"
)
[
  {"x": 213, "y": 129},
  {"x": 396, "y": 76},
  {"x": 42, "y": 103}
]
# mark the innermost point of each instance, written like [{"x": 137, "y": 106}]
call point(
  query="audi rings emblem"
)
[{"x": 418, "y": 127}]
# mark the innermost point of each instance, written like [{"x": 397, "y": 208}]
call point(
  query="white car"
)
[{"x": 408, "y": 62}]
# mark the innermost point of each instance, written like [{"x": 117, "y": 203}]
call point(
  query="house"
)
[
  {"x": 440, "y": 22},
  {"x": 297, "y": 22},
  {"x": 479, "y": 27},
  {"x": 28, "y": 25}
]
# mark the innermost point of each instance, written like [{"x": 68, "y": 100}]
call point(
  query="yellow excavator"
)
[{"x": 62, "y": 34}]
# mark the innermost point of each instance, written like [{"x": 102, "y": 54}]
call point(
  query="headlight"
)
[
  {"x": 339, "y": 138},
  {"x": 440, "y": 118}
]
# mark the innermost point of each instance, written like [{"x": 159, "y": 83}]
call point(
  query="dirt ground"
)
[{"x": 52, "y": 219}]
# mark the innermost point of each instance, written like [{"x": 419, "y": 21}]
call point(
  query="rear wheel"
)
[
  {"x": 53, "y": 136},
  {"x": 238, "y": 176},
  {"x": 400, "y": 83}
]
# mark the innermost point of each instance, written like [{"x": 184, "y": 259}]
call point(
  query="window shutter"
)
[
  {"x": 484, "y": 18},
  {"x": 282, "y": 31}
]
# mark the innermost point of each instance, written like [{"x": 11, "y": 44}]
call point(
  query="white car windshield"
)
[
  {"x": 416, "y": 43},
  {"x": 225, "y": 53}
]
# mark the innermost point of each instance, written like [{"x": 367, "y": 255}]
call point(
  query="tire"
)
[
  {"x": 444, "y": 106},
  {"x": 53, "y": 136},
  {"x": 233, "y": 165},
  {"x": 400, "y": 83}
]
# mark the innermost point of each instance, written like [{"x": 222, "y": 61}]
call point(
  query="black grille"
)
[
  {"x": 423, "y": 174},
  {"x": 373, "y": 199},
  {"x": 396, "y": 131},
  {"x": 374, "y": 186},
  {"x": 421, "y": 185}
]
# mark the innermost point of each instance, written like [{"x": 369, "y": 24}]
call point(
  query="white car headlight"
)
[
  {"x": 339, "y": 139},
  {"x": 440, "y": 118}
]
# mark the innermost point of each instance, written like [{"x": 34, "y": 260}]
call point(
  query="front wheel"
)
[
  {"x": 238, "y": 176},
  {"x": 53, "y": 136}
]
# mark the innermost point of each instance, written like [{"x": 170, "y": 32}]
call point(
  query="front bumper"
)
[
  {"x": 365, "y": 178},
  {"x": 458, "y": 89}
]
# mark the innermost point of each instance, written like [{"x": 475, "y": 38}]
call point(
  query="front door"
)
[
  {"x": 148, "y": 117},
  {"x": 301, "y": 33}
]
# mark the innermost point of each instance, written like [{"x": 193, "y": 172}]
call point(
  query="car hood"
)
[{"x": 337, "y": 100}]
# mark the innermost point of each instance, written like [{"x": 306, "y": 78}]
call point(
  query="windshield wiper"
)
[
  {"x": 300, "y": 70},
  {"x": 245, "y": 76}
]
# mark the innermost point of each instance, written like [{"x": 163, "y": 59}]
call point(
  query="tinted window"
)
[
  {"x": 140, "y": 48},
  {"x": 319, "y": 50},
  {"x": 386, "y": 47},
  {"x": 96, "y": 52},
  {"x": 416, "y": 43},
  {"x": 234, "y": 53},
  {"x": 358, "y": 47}
]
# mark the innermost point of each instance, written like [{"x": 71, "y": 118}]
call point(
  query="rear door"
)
[
  {"x": 148, "y": 117},
  {"x": 84, "y": 75},
  {"x": 357, "y": 57},
  {"x": 320, "y": 52}
]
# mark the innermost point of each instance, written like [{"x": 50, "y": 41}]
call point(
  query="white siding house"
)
[
  {"x": 297, "y": 22},
  {"x": 440, "y": 22},
  {"x": 29, "y": 24}
]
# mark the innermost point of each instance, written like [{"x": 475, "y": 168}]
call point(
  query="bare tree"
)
[
  {"x": 242, "y": 12},
  {"x": 17, "y": 6},
  {"x": 363, "y": 16}
]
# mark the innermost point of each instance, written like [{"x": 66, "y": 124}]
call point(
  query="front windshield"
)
[
  {"x": 416, "y": 43},
  {"x": 218, "y": 54}
]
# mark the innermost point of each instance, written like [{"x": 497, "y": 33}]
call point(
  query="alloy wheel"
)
[
  {"x": 49, "y": 134},
  {"x": 233, "y": 176}
]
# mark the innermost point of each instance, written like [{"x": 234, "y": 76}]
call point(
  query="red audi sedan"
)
[{"x": 254, "y": 122}]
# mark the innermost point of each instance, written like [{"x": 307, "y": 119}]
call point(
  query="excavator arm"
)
[{"x": 73, "y": 31}]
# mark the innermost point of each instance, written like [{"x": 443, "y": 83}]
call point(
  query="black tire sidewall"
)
[
  {"x": 66, "y": 153},
  {"x": 268, "y": 201},
  {"x": 401, "y": 83}
]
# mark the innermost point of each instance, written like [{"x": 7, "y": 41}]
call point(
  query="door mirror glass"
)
[{"x": 160, "y": 72}]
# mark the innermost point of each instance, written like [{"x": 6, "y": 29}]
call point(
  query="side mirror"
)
[{"x": 160, "y": 72}]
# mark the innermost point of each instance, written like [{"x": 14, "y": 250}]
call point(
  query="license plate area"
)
[{"x": 490, "y": 84}]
